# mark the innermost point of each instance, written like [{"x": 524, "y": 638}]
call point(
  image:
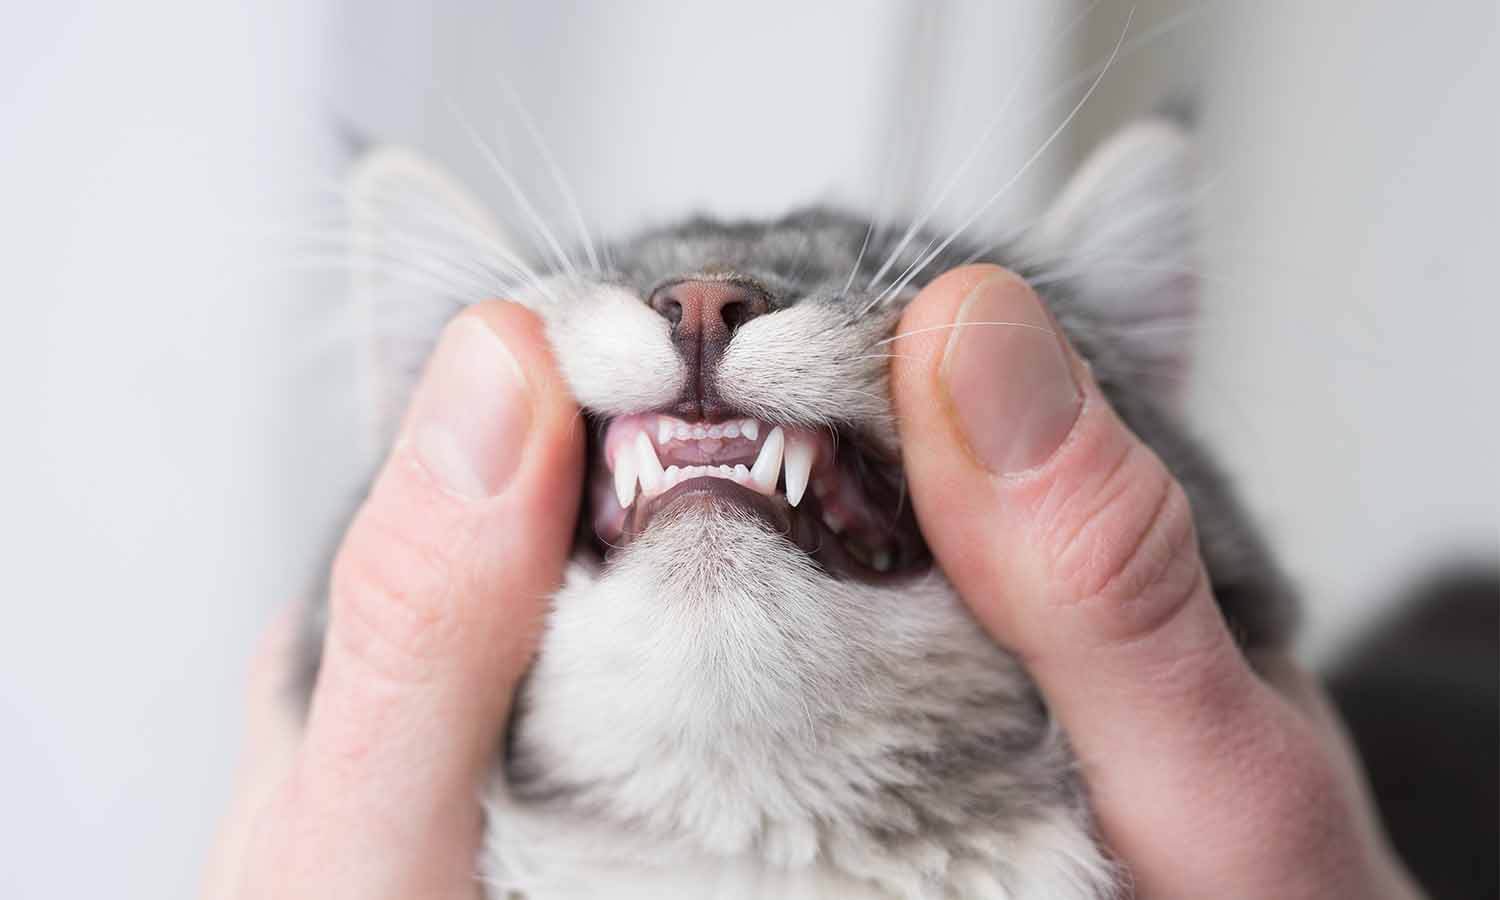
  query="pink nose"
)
[{"x": 705, "y": 314}]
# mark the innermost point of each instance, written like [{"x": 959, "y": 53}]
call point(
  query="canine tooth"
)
[
  {"x": 731, "y": 430},
  {"x": 768, "y": 463},
  {"x": 625, "y": 472},
  {"x": 799, "y": 461},
  {"x": 664, "y": 428},
  {"x": 750, "y": 429},
  {"x": 649, "y": 467}
]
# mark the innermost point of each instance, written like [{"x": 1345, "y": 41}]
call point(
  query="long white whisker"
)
[
  {"x": 471, "y": 235},
  {"x": 859, "y": 257},
  {"x": 555, "y": 172},
  {"x": 537, "y": 222},
  {"x": 952, "y": 325},
  {"x": 926, "y": 260},
  {"x": 476, "y": 267},
  {"x": 1023, "y": 72}
]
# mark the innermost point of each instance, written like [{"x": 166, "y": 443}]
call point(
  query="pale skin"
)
[{"x": 1207, "y": 778}]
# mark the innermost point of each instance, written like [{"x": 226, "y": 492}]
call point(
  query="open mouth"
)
[{"x": 841, "y": 503}]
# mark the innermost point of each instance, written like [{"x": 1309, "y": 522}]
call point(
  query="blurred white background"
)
[{"x": 182, "y": 433}]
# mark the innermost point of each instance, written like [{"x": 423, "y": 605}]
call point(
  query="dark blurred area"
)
[{"x": 1420, "y": 694}]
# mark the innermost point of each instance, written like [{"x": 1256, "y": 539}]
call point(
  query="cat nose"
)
[{"x": 705, "y": 314}]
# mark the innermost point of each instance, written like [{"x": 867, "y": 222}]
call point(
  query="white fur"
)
[
  {"x": 810, "y": 364},
  {"x": 721, "y": 695},
  {"x": 620, "y": 357}
]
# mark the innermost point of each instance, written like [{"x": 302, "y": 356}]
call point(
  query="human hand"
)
[
  {"x": 436, "y": 600},
  {"x": 1075, "y": 548}
]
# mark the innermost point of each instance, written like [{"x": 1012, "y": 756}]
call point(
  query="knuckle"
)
[{"x": 1122, "y": 545}]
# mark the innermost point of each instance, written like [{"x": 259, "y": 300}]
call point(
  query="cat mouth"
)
[{"x": 837, "y": 501}]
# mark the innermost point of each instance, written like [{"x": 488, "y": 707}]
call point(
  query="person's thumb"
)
[
  {"x": 435, "y": 605},
  {"x": 1075, "y": 548}
]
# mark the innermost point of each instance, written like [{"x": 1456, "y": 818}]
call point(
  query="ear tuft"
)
[
  {"x": 421, "y": 249},
  {"x": 1121, "y": 235}
]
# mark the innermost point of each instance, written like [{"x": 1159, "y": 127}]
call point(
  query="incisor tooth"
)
[
  {"x": 664, "y": 428},
  {"x": 625, "y": 472},
  {"x": 750, "y": 429},
  {"x": 648, "y": 465},
  {"x": 768, "y": 463},
  {"x": 799, "y": 461}
]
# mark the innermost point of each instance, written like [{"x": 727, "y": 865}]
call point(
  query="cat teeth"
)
[
  {"x": 768, "y": 464},
  {"x": 637, "y": 465},
  {"x": 649, "y": 467},
  {"x": 675, "y": 475},
  {"x": 670, "y": 429},
  {"x": 626, "y": 468},
  {"x": 800, "y": 453}
]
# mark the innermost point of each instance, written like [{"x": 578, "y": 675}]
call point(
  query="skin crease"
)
[
  {"x": 379, "y": 795},
  {"x": 1206, "y": 781}
]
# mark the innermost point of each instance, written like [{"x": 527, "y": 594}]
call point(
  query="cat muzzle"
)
[{"x": 804, "y": 484}]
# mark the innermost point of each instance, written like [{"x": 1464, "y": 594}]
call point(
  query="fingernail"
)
[
  {"x": 469, "y": 418},
  {"x": 1008, "y": 379}
]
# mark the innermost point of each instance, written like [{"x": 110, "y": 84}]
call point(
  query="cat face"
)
[
  {"x": 751, "y": 622},
  {"x": 732, "y": 371},
  {"x": 739, "y": 370},
  {"x": 734, "y": 376}
]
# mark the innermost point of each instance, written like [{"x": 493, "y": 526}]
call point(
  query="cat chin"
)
[{"x": 711, "y": 701}]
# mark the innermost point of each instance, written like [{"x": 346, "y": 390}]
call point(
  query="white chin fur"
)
[{"x": 709, "y": 702}]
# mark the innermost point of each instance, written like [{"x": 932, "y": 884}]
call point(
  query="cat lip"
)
[
  {"x": 702, "y": 490},
  {"x": 802, "y": 482}
]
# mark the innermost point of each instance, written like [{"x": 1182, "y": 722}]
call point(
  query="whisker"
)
[
  {"x": 554, "y": 171},
  {"x": 859, "y": 257},
  {"x": 950, "y": 325},
  {"x": 1024, "y": 70},
  {"x": 926, "y": 260},
  {"x": 536, "y": 220}
]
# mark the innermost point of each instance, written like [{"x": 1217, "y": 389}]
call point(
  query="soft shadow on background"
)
[{"x": 180, "y": 434}]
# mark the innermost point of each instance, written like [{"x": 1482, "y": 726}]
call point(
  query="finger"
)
[
  {"x": 436, "y": 599},
  {"x": 271, "y": 739},
  {"x": 1075, "y": 547}
]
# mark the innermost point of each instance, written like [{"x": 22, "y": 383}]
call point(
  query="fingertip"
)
[
  {"x": 558, "y": 432},
  {"x": 936, "y": 303}
]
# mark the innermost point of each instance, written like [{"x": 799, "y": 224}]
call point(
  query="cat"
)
[{"x": 753, "y": 681}]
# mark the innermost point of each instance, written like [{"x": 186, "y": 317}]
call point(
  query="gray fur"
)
[{"x": 711, "y": 713}]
